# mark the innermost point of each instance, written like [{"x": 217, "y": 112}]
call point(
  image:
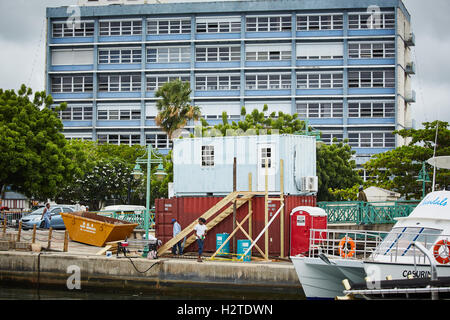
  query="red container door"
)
[{"x": 165, "y": 211}]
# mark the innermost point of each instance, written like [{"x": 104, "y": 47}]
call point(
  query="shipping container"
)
[
  {"x": 204, "y": 166},
  {"x": 189, "y": 209}
]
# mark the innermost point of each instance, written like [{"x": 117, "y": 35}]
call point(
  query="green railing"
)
[
  {"x": 356, "y": 212},
  {"x": 132, "y": 217}
]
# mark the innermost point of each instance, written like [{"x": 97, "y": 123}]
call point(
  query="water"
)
[{"x": 15, "y": 292}]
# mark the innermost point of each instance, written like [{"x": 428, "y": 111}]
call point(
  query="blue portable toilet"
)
[
  {"x": 220, "y": 239},
  {"x": 242, "y": 247}
]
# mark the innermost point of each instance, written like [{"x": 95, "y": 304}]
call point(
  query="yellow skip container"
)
[{"x": 95, "y": 230}]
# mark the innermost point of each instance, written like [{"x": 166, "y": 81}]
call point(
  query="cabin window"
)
[
  {"x": 207, "y": 156},
  {"x": 266, "y": 153}
]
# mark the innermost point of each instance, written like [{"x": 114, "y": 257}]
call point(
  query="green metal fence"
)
[
  {"x": 357, "y": 212},
  {"x": 133, "y": 217}
]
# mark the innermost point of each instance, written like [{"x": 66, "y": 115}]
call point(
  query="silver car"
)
[{"x": 34, "y": 218}]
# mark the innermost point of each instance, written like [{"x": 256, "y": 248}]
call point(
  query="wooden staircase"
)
[{"x": 230, "y": 199}]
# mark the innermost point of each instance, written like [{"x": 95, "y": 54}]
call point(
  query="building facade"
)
[{"x": 345, "y": 65}]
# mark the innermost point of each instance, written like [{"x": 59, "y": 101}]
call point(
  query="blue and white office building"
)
[{"x": 345, "y": 65}]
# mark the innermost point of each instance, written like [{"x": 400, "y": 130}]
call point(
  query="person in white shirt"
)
[
  {"x": 200, "y": 232},
  {"x": 177, "y": 230}
]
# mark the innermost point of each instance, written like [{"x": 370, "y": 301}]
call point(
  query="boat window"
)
[{"x": 399, "y": 240}]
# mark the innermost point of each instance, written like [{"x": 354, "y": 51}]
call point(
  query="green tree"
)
[
  {"x": 34, "y": 156},
  {"x": 107, "y": 175},
  {"x": 335, "y": 170},
  {"x": 398, "y": 169},
  {"x": 174, "y": 106}
]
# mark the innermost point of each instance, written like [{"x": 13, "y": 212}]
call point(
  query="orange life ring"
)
[
  {"x": 343, "y": 251},
  {"x": 437, "y": 255}
]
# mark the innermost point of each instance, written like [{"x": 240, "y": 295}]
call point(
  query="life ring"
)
[
  {"x": 438, "y": 256},
  {"x": 343, "y": 251}
]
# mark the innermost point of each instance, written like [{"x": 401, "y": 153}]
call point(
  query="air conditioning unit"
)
[
  {"x": 411, "y": 40},
  {"x": 410, "y": 68},
  {"x": 310, "y": 184}
]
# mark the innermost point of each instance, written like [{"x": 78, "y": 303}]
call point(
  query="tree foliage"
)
[
  {"x": 335, "y": 170},
  {"x": 398, "y": 169},
  {"x": 34, "y": 157}
]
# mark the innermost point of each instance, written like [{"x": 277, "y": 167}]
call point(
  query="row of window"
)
[
  {"x": 160, "y": 141},
  {"x": 225, "y": 25},
  {"x": 305, "y": 109},
  {"x": 267, "y": 52},
  {"x": 213, "y": 82},
  {"x": 356, "y": 109},
  {"x": 157, "y": 140}
]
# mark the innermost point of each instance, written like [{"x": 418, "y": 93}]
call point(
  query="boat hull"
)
[
  {"x": 378, "y": 271},
  {"x": 321, "y": 280}
]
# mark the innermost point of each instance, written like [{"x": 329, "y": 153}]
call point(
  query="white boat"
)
[
  {"x": 406, "y": 251},
  {"x": 398, "y": 257}
]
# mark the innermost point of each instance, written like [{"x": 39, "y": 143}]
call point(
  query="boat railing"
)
[
  {"x": 392, "y": 247},
  {"x": 347, "y": 244}
]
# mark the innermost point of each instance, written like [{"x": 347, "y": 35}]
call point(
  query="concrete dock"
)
[{"x": 218, "y": 279}]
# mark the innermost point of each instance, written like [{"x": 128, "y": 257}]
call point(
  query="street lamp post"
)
[
  {"x": 424, "y": 178},
  {"x": 149, "y": 158}
]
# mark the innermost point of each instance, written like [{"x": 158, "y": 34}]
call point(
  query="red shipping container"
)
[
  {"x": 303, "y": 219},
  {"x": 188, "y": 209}
]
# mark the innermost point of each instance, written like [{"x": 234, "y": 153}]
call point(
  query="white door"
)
[{"x": 266, "y": 151}]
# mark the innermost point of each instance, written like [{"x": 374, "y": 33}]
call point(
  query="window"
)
[
  {"x": 320, "y": 109},
  {"x": 268, "y": 52},
  {"x": 324, "y": 51},
  {"x": 217, "y": 82},
  {"x": 120, "y": 28},
  {"x": 371, "y": 21},
  {"x": 268, "y": 24},
  {"x": 119, "y": 139},
  {"x": 218, "y": 54},
  {"x": 72, "y": 57},
  {"x": 372, "y": 50},
  {"x": 207, "y": 156},
  {"x": 119, "y": 83},
  {"x": 76, "y": 113},
  {"x": 266, "y": 155},
  {"x": 319, "y": 22},
  {"x": 268, "y": 82},
  {"x": 219, "y": 25},
  {"x": 371, "y": 109},
  {"x": 158, "y": 140},
  {"x": 320, "y": 80},
  {"x": 71, "y": 84},
  {"x": 65, "y": 30},
  {"x": 154, "y": 82},
  {"x": 372, "y": 140},
  {"x": 169, "y": 55},
  {"x": 371, "y": 79},
  {"x": 332, "y": 138},
  {"x": 122, "y": 113},
  {"x": 116, "y": 56},
  {"x": 169, "y": 26}
]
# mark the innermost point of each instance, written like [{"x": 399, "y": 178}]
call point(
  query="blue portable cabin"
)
[{"x": 204, "y": 166}]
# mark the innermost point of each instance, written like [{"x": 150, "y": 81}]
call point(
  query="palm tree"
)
[{"x": 174, "y": 107}]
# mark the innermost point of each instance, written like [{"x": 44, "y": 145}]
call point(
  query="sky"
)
[{"x": 22, "y": 39}]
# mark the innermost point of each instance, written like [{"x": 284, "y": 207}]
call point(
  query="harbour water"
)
[{"x": 14, "y": 292}]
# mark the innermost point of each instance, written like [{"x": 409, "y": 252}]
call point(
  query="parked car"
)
[{"x": 34, "y": 218}]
